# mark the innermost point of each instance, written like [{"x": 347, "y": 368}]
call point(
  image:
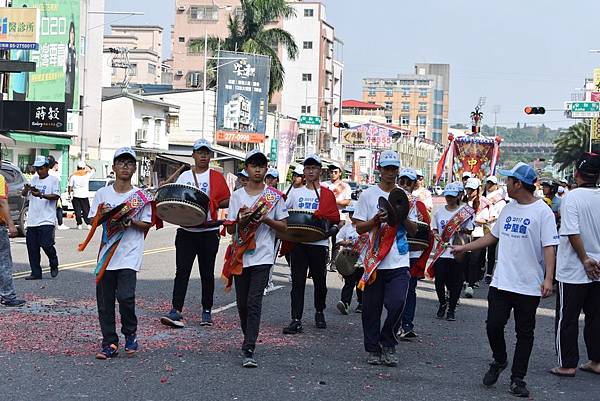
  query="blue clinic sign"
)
[{"x": 242, "y": 97}]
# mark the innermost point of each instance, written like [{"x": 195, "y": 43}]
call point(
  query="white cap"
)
[
  {"x": 419, "y": 172},
  {"x": 125, "y": 151},
  {"x": 561, "y": 190},
  {"x": 255, "y": 152},
  {"x": 40, "y": 161},
  {"x": 81, "y": 164},
  {"x": 202, "y": 143},
  {"x": 466, "y": 174},
  {"x": 492, "y": 179},
  {"x": 299, "y": 170},
  {"x": 389, "y": 158},
  {"x": 314, "y": 157},
  {"x": 473, "y": 183},
  {"x": 243, "y": 173},
  {"x": 273, "y": 173}
]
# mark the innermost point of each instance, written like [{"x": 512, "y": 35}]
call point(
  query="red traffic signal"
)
[
  {"x": 341, "y": 125},
  {"x": 535, "y": 110}
]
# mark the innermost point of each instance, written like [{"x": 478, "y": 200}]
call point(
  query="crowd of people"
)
[{"x": 523, "y": 245}]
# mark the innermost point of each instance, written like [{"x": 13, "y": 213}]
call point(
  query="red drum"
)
[{"x": 181, "y": 204}]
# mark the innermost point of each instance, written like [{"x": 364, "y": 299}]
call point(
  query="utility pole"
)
[{"x": 496, "y": 110}]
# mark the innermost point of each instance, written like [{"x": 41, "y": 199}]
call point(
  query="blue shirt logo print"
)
[{"x": 308, "y": 203}]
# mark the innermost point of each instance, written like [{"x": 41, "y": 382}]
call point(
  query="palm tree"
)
[
  {"x": 571, "y": 144},
  {"x": 249, "y": 34}
]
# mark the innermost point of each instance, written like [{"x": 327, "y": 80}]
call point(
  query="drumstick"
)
[{"x": 175, "y": 174}]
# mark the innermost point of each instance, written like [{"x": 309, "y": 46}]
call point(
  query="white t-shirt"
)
[
  {"x": 131, "y": 248},
  {"x": 42, "y": 212},
  {"x": 424, "y": 196},
  {"x": 264, "y": 254},
  {"x": 347, "y": 233},
  {"x": 305, "y": 199},
  {"x": 80, "y": 185},
  {"x": 523, "y": 231},
  {"x": 366, "y": 208},
  {"x": 441, "y": 217},
  {"x": 204, "y": 186},
  {"x": 579, "y": 215},
  {"x": 341, "y": 190},
  {"x": 498, "y": 206}
]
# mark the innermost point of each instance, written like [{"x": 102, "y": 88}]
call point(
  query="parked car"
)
[
  {"x": 18, "y": 205},
  {"x": 94, "y": 185}
]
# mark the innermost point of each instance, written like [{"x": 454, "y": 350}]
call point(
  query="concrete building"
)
[
  {"x": 417, "y": 102},
  {"x": 357, "y": 112},
  {"x": 144, "y": 53}
]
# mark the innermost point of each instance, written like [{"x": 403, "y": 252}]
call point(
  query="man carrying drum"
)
[
  {"x": 200, "y": 242},
  {"x": 386, "y": 277}
]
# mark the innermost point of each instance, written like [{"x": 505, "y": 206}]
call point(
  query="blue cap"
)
[
  {"x": 409, "y": 173},
  {"x": 124, "y": 151},
  {"x": 314, "y": 157},
  {"x": 202, "y": 143},
  {"x": 522, "y": 172},
  {"x": 459, "y": 185},
  {"x": 389, "y": 158},
  {"x": 452, "y": 189},
  {"x": 254, "y": 153},
  {"x": 40, "y": 161},
  {"x": 273, "y": 172}
]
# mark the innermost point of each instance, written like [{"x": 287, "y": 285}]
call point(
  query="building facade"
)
[{"x": 417, "y": 102}]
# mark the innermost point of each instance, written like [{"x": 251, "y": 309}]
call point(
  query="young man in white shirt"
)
[
  {"x": 43, "y": 192},
  {"x": 343, "y": 195},
  {"x": 119, "y": 280},
  {"x": 249, "y": 285},
  {"x": 198, "y": 242},
  {"x": 524, "y": 272},
  {"x": 578, "y": 271},
  {"x": 55, "y": 172},
  {"x": 392, "y": 277},
  {"x": 79, "y": 190}
]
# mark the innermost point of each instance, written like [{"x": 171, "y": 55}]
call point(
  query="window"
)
[
  {"x": 305, "y": 110},
  {"x": 389, "y": 92},
  {"x": 238, "y": 12},
  {"x": 309, "y": 12},
  {"x": 157, "y": 128},
  {"x": 388, "y": 119},
  {"x": 204, "y": 13},
  {"x": 181, "y": 39},
  {"x": 307, "y": 77},
  {"x": 422, "y": 106},
  {"x": 407, "y": 82},
  {"x": 423, "y": 92},
  {"x": 372, "y": 91},
  {"x": 405, "y": 106},
  {"x": 405, "y": 92},
  {"x": 423, "y": 82},
  {"x": 151, "y": 69},
  {"x": 422, "y": 134},
  {"x": 307, "y": 45},
  {"x": 422, "y": 121},
  {"x": 133, "y": 70},
  {"x": 404, "y": 119},
  {"x": 388, "y": 106}
]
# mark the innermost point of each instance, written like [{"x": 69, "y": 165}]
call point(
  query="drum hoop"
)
[
  {"x": 176, "y": 184},
  {"x": 181, "y": 202},
  {"x": 305, "y": 227}
]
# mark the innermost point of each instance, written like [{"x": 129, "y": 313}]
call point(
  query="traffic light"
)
[
  {"x": 341, "y": 125},
  {"x": 535, "y": 110}
]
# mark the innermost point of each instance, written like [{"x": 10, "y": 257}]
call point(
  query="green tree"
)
[
  {"x": 571, "y": 144},
  {"x": 248, "y": 33}
]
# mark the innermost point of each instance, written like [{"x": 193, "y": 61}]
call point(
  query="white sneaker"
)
[
  {"x": 63, "y": 227},
  {"x": 469, "y": 292},
  {"x": 79, "y": 227},
  {"x": 88, "y": 227}
]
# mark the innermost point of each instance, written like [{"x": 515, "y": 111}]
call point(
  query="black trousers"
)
[
  {"x": 308, "y": 258},
  {"x": 119, "y": 285},
  {"x": 350, "y": 282},
  {"x": 491, "y": 259},
  {"x": 189, "y": 246},
  {"x": 448, "y": 275},
  {"x": 59, "y": 215},
  {"x": 82, "y": 210},
  {"x": 475, "y": 262},
  {"x": 249, "y": 287},
  {"x": 500, "y": 304},
  {"x": 571, "y": 300},
  {"x": 40, "y": 237}
]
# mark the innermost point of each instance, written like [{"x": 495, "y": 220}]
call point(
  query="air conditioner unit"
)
[
  {"x": 179, "y": 72},
  {"x": 181, "y": 8},
  {"x": 141, "y": 136}
]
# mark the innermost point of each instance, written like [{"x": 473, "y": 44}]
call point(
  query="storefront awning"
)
[
  {"x": 43, "y": 138},
  {"x": 5, "y": 140}
]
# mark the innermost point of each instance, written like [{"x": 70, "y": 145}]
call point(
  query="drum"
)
[
  {"x": 345, "y": 261},
  {"x": 181, "y": 204},
  {"x": 420, "y": 241},
  {"x": 302, "y": 226},
  {"x": 461, "y": 239}
]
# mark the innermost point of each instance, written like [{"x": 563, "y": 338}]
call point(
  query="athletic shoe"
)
[
  {"x": 441, "y": 311},
  {"x": 63, "y": 227},
  {"x": 32, "y": 277},
  {"x": 469, "y": 292},
  {"x": 79, "y": 227},
  {"x": 487, "y": 279},
  {"x": 87, "y": 227},
  {"x": 388, "y": 357},
  {"x": 14, "y": 302},
  {"x": 343, "y": 307},
  {"x": 294, "y": 327},
  {"x": 408, "y": 335},
  {"x": 518, "y": 388},
  {"x": 53, "y": 271},
  {"x": 358, "y": 309},
  {"x": 108, "y": 351},
  {"x": 320, "y": 320},
  {"x": 206, "y": 318},
  {"x": 131, "y": 344},
  {"x": 374, "y": 358},
  {"x": 491, "y": 376},
  {"x": 249, "y": 361},
  {"x": 450, "y": 315},
  {"x": 173, "y": 319}
]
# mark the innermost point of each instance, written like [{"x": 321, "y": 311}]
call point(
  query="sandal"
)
[
  {"x": 587, "y": 368},
  {"x": 557, "y": 372}
]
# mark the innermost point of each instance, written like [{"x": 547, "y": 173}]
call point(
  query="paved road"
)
[{"x": 48, "y": 347}]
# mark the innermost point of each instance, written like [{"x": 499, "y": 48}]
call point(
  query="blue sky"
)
[{"x": 515, "y": 53}]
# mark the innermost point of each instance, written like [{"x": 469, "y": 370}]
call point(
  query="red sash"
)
[
  {"x": 244, "y": 238},
  {"x": 456, "y": 222},
  {"x": 418, "y": 268},
  {"x": 219, "y": 191},
  {"x": 384, "y": 239}
]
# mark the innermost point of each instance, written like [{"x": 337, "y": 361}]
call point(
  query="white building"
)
[{"x": 237, "y": 113}]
